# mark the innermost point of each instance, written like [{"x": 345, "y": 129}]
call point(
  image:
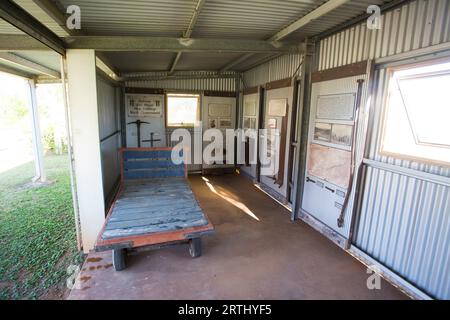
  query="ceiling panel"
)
[
  {"x": 134, "y": 17},
  {"x": 249, "y": 19}
]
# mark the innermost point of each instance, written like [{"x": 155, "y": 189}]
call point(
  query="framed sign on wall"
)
[{"x": 143, "y": 105}]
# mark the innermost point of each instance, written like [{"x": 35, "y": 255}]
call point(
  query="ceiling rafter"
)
[
  {"x": 22, "y": 20},
  {"x": 16, "y": 72},
  {"x": 325, "y": 8},
  {"x": 56, "y": 12},
  {"x": 167, "y": 44},
  {"x": 187, "y": 33},
  {"x": 28, "y": 64}
]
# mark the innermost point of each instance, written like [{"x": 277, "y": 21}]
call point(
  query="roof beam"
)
[
  {"x": 175, "y": 61},
  {"x": 28, "y": 64},
  {"x": 263, "y": 60},
  {"x": 138, "y": 43},
  {"x": 22, "y": 20},
  {"x": 56, "y": 12},
  {"x": 106, "y": 69},
  {"x": 194, "y": 18},
  {"x": 15, "y": 72},
  {"x": 363, "y": 17},
  {"x": 316, "y": 13},
  {"x": 12, "y": 42},
  {"x": 188, "y": 32},
  {"x": 236, "y": 62},
  {"x": 327, "y": 7}
]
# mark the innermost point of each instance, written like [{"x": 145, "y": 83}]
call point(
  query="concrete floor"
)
[{"x": 272, "y": 258}]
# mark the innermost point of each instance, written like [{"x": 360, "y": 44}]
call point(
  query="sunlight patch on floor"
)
[{"x": 227, "y": 198}]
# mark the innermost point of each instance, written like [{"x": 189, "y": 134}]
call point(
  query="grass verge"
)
[{"x": 37, "y": 232}]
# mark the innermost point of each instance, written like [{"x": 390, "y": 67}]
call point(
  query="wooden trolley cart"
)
[{"x": 155, "y": 206}]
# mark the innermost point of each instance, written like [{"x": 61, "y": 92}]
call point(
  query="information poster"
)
[{"x": 142, "y": 105}]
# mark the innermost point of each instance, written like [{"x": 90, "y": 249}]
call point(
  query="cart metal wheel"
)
[
  {"x": 195, "y": 247},
  {"x": 118, "y": 258}
]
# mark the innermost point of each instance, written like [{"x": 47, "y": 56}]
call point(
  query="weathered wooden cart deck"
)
[{"x": 155, "y": 205}]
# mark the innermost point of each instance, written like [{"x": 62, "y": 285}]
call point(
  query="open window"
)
[
  {"x": 182, "y": 109},
  {"x": 417, "y": 116}
]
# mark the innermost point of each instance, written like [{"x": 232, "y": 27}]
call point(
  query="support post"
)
[
  {"x": 302, "y": 134},
  {"x": 70, "y": 154},
  {"x": 36, "y": 134},
  {"x": 82, "y": 87}
]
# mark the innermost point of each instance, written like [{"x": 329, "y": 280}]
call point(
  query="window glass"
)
[
  {"x": 418, "y": 112},
  {"x": 182, "y": 110}
]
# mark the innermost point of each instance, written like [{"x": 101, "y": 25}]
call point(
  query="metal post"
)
[
  {"x": 302, "y": 134},
  {"x": 71, "y": 159},
  {"x": 36, "y": 135}
]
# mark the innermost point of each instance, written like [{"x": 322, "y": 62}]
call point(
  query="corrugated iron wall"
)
[
  {"x": 215, "y": 84},
  {"x": 415, "y": 25},
  {"x": 404, "y": 221},
  {"x": 279, "y": 68},
  {"x": 285, "y": 66}
]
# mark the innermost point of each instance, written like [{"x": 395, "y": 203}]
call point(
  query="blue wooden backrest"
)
[{"x": 143, "y": 163}]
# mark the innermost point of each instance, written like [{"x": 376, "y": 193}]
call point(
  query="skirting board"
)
[
  {"x": 389, "y": 275},
  {"x": 265, "y": 189},
  {"x": 246, "y": 175},
  {"x": 274, "y": 195},
  {"x": 324, "y": 229}
]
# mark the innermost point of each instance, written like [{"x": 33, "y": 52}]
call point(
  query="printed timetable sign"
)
[{"x": 144, "y": 105}]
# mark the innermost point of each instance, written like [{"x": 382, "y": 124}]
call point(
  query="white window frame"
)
[
  {"x": 385, "y": 112},
  {"x": 182, "y": 95}
]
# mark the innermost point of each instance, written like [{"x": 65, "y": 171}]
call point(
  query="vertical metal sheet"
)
[
  {"x": 285, "y": 66},
  {"x": 108, "y": 123},
  {"x": 404, "y": 222}
]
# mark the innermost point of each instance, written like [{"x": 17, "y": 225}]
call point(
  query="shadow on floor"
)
[{"x": 256, "y": 253}]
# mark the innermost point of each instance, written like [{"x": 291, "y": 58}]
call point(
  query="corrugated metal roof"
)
[
  {"x": 6, "y": 28},
  {"x": 49, "y": 59},
  {"x": 249, "y": 19},
  {"x": 134, "y": 17},
  {"x": 244, "y": 19},
  {"x": 334, "y": 18},
  {"x": 205, "y": 60},
  {"x": 33, "y": 9}
]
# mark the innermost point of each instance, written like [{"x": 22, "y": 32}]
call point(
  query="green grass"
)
[{"x": 37, "y": 231}]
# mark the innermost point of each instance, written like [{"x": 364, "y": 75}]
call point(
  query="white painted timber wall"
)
[{"x": 82, "y": 85}]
